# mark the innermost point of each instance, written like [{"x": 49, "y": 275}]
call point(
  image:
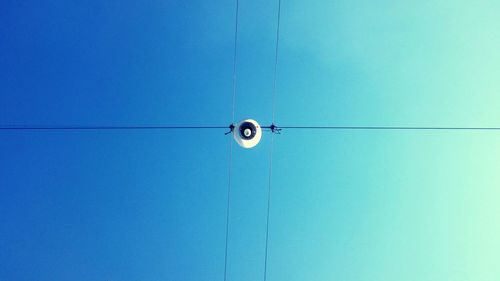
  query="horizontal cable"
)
[
  {"x": 109, "y": 127},
  {"x": 263, "y": 127},
  {"x": 387, "y": 128}
]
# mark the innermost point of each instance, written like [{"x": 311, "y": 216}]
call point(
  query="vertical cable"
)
[
  {"x": 272, "y": 141},
  {"x": 268, "y": 204},
  {"x": 276, "y": 59},
  {"x": 228, "y": 205},
  {"x": 230, "y": 161},
  {"x": 234, "y": 57}
]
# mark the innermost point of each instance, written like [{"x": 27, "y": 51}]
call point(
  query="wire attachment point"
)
[
  {"x": 231, "y": 129},
  {"x": 275, "y": 129}
]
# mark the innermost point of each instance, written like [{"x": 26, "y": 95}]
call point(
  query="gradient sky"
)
[{"x": 346, "y": 205}]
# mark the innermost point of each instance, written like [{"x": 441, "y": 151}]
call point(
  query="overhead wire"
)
[
  {"x": 273, "y": 130},
  {"x": 234, "y": 58},
  {"x": 276, "y": 62},
  {"x": 228, "y": 206},
  {"x": 134, "y": 127},
  {"x": 230, "y": 160},
  {"x": 66, "y": 128},
  {"x": 414, "y": 128},
  {"x": 268, "y": 205}
]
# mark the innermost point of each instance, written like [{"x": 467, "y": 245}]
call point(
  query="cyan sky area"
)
[{"x": 346, "y": 205}]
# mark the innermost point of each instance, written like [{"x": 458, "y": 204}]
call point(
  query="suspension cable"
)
[
  {"x": 234, "y": 58},
  {"x": 68, "y": 128},
  {"x": 273, "y": 130},
  {"x": 415, "y": 128},
  {"x": 268, "y": 205},
  {"x": 276, "y": 61},
  {"x": 228, "y": 207}
]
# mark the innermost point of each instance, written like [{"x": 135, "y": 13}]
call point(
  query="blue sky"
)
[{"x": 150, "y": 205}]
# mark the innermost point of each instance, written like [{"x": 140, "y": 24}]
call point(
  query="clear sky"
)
[{"x": 346, "y": 205}]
